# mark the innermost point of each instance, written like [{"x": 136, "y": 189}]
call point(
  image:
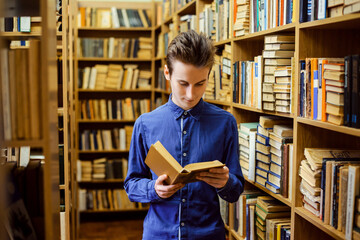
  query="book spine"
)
[{"x": 347, "y": 91}]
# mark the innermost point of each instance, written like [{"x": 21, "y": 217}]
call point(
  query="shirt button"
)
[
  {"x": 185, "y": 113},
  {"x": 182, "y": 224},
  {"x": 183, "y": 200},
  {"x": 184, "y": 154},
  {"x": 184, "y": 132}
]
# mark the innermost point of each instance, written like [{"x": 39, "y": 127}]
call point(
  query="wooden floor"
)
[{"x": 111, "y": 230}]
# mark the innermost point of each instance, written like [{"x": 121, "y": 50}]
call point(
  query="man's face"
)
[{"x": 188, "y": 83}]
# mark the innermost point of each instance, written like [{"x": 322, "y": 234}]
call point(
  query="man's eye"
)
[{"x": 183, "y": 84}]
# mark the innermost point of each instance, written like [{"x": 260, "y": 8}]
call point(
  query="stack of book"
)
[
  {"x": 247, "y": 133},
  {"x": 241, "y": 15},
  {"x": 263, "y": 153},
  {"x": 268, "y": 207},
  {"x": 84, "y": 170},
  {"x": 98, "y": 169},
  {"x": 282, "y": 88},
  {"x": 145, "y": 47},
  {"x": 334, "y": 76},
  {"x": 210, "y": 88},
  {"x": 278, "y": 176},
  {"x": 277, "y": 54}
]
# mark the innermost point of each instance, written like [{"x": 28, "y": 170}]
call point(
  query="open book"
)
[{"x": 161, "y": 162}]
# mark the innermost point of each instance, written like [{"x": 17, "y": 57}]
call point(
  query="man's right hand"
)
[{"x": 166, "y": 191}]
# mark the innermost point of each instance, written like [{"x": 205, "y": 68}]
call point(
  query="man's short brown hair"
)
[{"x": 191, "y": 48}]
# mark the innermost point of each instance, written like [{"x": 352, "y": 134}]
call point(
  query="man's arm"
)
[{"x": 138, "y": 185}]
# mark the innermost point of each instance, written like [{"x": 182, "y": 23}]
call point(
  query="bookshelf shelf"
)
[
  {"x": 159, "y": 58},
  {"x": 62, "y": 187},
  {"x": 19, "y": 35},
  {"x": 113, "y": 211},
  {"x": 222, "y": 42},
  {"x": 189, "y": 8},
  {"x": 104, "y": 121},
  {"x": 20, "y": 143},
  {"x": 318, "y": 223},
  {"x": 121, "y": 29},
  {"x": 277, "y": 196},
  {"x": 244, "y": 107},
  {"x": 329, "y": 126},
  {"x": 108, "y": 181},
  {"x": 114, "y": 91},
  {"x": 157, "y": 28},
  {"x": 114, "y": 60},
  {"x": 349, "y": 21},
  {"x": 102, "y": 152},
  {"x": 162, "y": 91},
  {"x": 260, "y": 35},
  {"x": 218, "y": 102},
  {"x": 168, "y": 20}
]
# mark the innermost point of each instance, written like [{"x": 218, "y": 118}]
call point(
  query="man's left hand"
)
[{"x": 216, "y": 177}]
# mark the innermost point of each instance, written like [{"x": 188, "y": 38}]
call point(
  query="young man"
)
[{"x": 192, "y": 131}]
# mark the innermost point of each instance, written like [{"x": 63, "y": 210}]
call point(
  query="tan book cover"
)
[{"x": 161, "y": 162}]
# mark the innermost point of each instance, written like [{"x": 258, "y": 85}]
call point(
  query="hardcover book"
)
[{"x": 161, "y": 162}]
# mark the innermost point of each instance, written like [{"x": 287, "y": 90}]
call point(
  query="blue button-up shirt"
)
[{"x": 203, "y": 133}]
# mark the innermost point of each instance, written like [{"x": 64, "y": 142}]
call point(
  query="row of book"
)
[
  {"x": 219, "y": 85},
  {"x": 215, "y": 20},
  {"x": 21, "y": 92},
  {"x": 330, "y": 187},
  {"x": 162, "y": 83},
  {"x": 105, "y": 199},
  {"x": 107, "y": 139},
  {"x": 114, "y": 77},
  {"x": 266, "y": 153},
  {"x": 258, "y": 216},
  {"x": 329, "y": 90},
  {"x": 101, "y": 169},
  {"x": 115, "y": 47},
  {"x": 107, "y": 109},
  {"x": 113, "y": 17},
  {"x": 187, "y": 22},
  {"x": 311, "y": 10},
  {"x": 253, "y": 16},
  {"x": 169, "y": 7}
]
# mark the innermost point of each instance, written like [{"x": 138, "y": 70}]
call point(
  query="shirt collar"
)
[{"x": 195, "y": 112}]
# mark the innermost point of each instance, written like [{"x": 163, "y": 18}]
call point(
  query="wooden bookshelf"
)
[
  {"x": 312, "y": 39},
  {"x": 48, "y": 226},
  {"x": 85, "y": 94}
]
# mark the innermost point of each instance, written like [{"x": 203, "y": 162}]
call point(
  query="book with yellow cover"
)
[{"x": 161, "y": 162}]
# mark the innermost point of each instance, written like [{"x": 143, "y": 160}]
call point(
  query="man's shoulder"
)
[
  {"x": 213, "y": 110},
  {"x": 154, "y": 114}
]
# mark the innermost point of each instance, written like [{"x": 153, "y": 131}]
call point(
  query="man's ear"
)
[{"x": 166, "y": 72}]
